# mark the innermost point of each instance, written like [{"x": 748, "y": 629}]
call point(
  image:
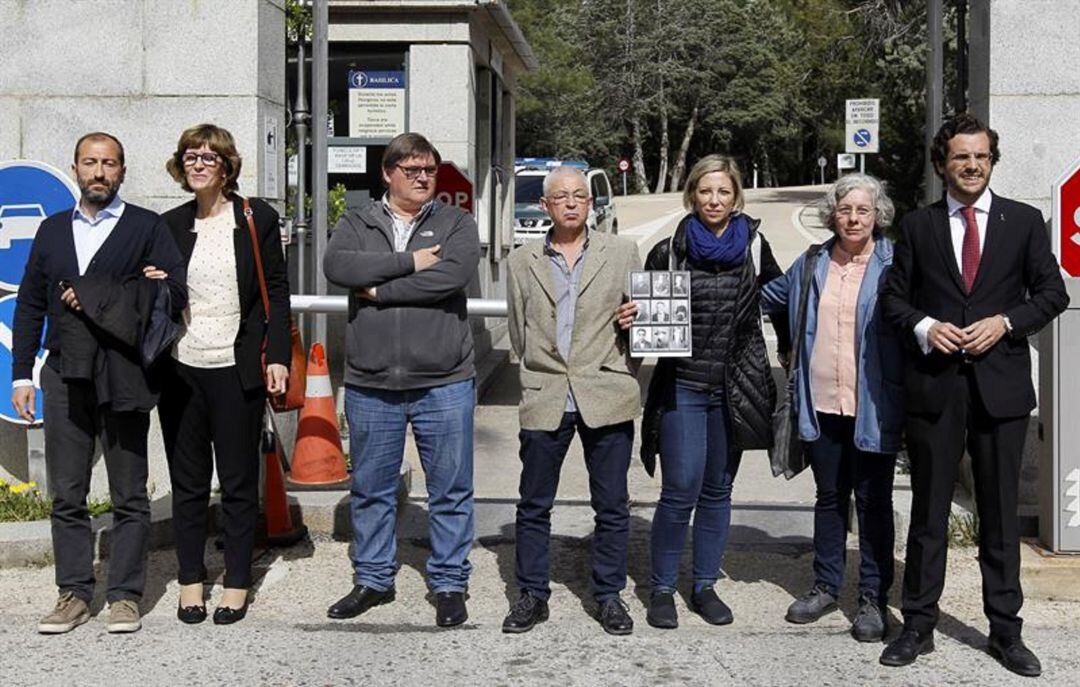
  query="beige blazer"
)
[{"x": 600, "y": 371}]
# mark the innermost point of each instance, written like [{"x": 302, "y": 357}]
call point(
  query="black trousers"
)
[
  {"x": 935, "y": 446},
  {"x": 205, "y": 416},
  {"x": 73, "y": 421}
]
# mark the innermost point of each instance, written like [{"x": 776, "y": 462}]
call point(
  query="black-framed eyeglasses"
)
[
  {"x": 414, "y": 172},
  {"x": 208, "y": 159}
]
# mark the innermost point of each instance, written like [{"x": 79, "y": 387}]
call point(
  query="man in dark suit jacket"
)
[
  {"x": 101, "y": 237},
  {"x": 972, "y": 279}
]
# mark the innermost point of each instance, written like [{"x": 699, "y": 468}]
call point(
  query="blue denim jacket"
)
[{"x": 880, "y": 384}]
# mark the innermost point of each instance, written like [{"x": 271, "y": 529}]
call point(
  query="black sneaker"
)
[
  {"x": 525, "y": 613},
  {"x": 871, "y": 623},
  {"x": 709, "y": 606},
  {"x": 811, "y": 606},
  {"x": 662, "y": 613},
  {"x": 615, "y": 617}
]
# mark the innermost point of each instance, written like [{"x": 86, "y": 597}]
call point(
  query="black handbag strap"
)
[{"x": 809, "y": 265}]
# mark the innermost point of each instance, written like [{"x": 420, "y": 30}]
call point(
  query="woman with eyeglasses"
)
[
  {"x": 214, "y": 396},
  {"x": 849, "y": 397},
  {"x": 704, "y": 410}
]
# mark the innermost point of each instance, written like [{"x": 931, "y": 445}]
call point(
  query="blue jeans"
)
[
  {"x": 840, "y": 468},
  {"x": 442, "y": 422},
  {"x": 607, "y": 457},
  {"x": 697, "y": 469}
]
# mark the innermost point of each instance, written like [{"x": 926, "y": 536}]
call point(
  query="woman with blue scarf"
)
[{"x": 703, "y": 411}]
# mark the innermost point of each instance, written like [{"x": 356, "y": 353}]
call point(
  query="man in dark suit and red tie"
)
[{"x": 973, "y": 277}]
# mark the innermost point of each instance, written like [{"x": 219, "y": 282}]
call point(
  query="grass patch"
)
[
  {"x": 963, "y": 529},
  {"x": 24, "y": 503}
]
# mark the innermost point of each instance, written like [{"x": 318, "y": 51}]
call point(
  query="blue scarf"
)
[{"x": 726, "y": 250}]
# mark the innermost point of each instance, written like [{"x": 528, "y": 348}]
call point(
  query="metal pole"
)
[
  {"x": 961, "y": 56},
  {"x": 862, "y": 163},
  {"x": 934, "y": 68},
  {"x": 320, "y": 67},
  {"x": 301, "y": 117},
  {"x": 624, "y": 183}
]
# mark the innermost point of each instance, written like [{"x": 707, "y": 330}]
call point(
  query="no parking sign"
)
[{"x": 29, "y": 192}]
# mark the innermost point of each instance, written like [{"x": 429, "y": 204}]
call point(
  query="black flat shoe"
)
[
  {"x": 1016, "y": 657},
  {"x": 907, "y": 647},
  {"x": 615, "y": 617},
  {"x": 192, "y": 615},
  {"x": 526, "y": 612},
  {"x": 711, "y": 609},
  {"x": 662, "y": 613},
  {"x": 450, "y": 609},
  {"x": 223, "y": 615},
  {"x": 357, "y": 601}
]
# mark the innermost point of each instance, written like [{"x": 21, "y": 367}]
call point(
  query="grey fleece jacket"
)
[{"x": 416, "y": 335}]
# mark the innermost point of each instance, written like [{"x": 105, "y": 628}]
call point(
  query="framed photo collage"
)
[{"x": 662, "y": 325}]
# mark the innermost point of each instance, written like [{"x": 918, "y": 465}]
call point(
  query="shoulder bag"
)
[
  {"x": 296, "y": 387},
  {"x": 787, "y": 456}
]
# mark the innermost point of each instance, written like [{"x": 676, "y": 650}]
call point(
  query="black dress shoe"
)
[
  {"x": 615, "y": 617},
  {"x": 223, "y": 615},
  {"x": 357, "y": 601},
  {"x": 907, "y": 647},
  {"x": 709, "y": 606},
  {"x": 1015, "y": 656},
  {"x": 526, "y": 612},
  {"x": 192, "y": 615},
  {"x": 662, "y": 613},
  {"x": 450, "y": 609}
]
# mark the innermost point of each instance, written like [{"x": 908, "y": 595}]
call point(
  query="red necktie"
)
[{"x": 970, "y": 252}]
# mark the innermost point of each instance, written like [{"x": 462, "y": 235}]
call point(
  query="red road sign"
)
[
  {"x": 624, "y": 164},
  {"x": 1066, "y": 239},
  {"x": 453, "y": 187}
]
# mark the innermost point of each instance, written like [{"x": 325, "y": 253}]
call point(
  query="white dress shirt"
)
[
  {"x": 89, "y": 234},
  {"x": 957, "y": 228}
]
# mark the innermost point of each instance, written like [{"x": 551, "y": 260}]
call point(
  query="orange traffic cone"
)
[
  {"x": 280, "y": 530},
  {"x": 318, "y": 460}
]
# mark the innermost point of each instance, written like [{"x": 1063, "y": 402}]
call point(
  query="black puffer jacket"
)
[{"x": 728, "y": 344}]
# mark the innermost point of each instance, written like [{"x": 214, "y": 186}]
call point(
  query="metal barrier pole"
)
[
  {"x": 35, "y": 457},
  {"x": 477, "y": 307}
]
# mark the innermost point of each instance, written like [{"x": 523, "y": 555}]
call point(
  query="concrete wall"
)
[
  {"x": 143, "y": 70},
  {"x": 1024, "y": 82}
]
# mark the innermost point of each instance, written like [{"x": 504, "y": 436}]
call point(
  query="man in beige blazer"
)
[{"x": 576, "y": 376}]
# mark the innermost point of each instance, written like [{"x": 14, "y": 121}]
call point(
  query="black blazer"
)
[
  {"x": 140, "y": 238},
  {"x": 253, "y": 329},
  {"x": 1018, "y": 277}
]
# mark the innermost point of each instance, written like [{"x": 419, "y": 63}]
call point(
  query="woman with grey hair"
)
[{"x": 848, "y": 394}]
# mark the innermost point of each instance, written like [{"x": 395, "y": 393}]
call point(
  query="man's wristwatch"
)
[{"x": 1008, "y": 323}]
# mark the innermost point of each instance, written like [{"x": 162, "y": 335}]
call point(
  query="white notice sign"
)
[
  {"x": 271, "y": 158},
  {"x": 376, "y": 104},
  {"x": 863, "y": 111},
  {"x": 346, "y": 159}
]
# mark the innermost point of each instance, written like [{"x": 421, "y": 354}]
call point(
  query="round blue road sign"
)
[
  {"x": 862, "y": 138},
  {"x": 7, "y": 410},
  {"x": 29, "y": 192}
]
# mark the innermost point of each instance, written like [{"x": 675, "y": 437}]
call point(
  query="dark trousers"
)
[
  {"x": 205, "y": 416},
  {"x": 73, "y": 421},
  {"x": 607, "y": 458},
  {"x": 840, "y": 468},
  {"x": 935, "y": 445}
]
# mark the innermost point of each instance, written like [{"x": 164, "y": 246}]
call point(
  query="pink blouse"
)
[{"x": 833, "y": 368}]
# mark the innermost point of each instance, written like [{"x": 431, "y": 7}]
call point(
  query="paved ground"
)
[{"x": 287, "y": 640}]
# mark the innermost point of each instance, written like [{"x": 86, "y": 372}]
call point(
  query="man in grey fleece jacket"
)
[{"x": 407, "y": 259}]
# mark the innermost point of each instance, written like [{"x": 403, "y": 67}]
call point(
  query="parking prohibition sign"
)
[{"x": 29, "y": 192}]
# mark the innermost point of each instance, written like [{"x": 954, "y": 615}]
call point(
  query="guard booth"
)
[
  {"x": 445, "y": 69},
  {"x": 1059, "y": 382}
]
